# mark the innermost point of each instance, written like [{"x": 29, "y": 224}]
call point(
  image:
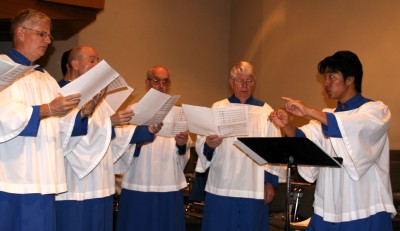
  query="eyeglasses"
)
[
  {"x": 241, "y": 82},
  {"x": 158, "y": 81},
  {"x": 42, "y": 34}
]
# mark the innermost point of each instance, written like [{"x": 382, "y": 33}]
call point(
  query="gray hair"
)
[
  {"x": 243, "y": 67},
  {"x": 28, "y": 17}
]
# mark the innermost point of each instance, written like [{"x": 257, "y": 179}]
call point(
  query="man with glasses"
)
[
  {"x": 32, "y": 160},
  {"x": 152, "y": 196},
  {"x": 42, "y": 34},
  {"x": 238, "y": 190},
  {"x": 158, "y": 79}
]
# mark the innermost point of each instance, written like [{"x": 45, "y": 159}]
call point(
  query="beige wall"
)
[
  {"x": 285, "y": 39},
  {"x": 191, "y": 38},
  {"x": 288, "y": 38}
]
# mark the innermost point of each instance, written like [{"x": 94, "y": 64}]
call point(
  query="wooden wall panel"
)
[
  {"x": 96, "y": 4},
  {"x": 67, "y": 19}
]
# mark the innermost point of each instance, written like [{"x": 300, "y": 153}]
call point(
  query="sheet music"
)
[
  {"x": 153, "y": 107},
  {"x": 117, "y": 97},
  {"x": 117, "y": 83},
  {"x": 174, "y": 123},
  {"x": 10, "y": 71},
  {"x": 160, "y": 115},
  {"x": 230, "y": 121},
  {"x": 91, "y": 83}
]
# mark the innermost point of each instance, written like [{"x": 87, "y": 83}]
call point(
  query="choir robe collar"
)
[{"x": 21, "y": 59}]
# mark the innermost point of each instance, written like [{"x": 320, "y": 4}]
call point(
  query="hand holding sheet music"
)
[
  {"x": 230, "y": 121},
  {"x": 153, "y": 107},
  {"x": 91, "y": 82}
]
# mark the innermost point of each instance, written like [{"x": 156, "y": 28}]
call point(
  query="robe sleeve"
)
[
  {"x": 122, "y": 148},
  {"x": 89, "y": 150},
  {"x": 80, "y": 126},
  {"x": 204, "y": 161},
  {"x": 332, "y": 129},
  {"x": 183, "y": 158},
  {"x": 140, "y": 134},
  {"x": 33, "y": 126},
  {"x": 313, "y": 132},
  {"x": 122, "y": 140},
  {"x": 15, "y": 117},
  {"x": 364, "y": 135}
]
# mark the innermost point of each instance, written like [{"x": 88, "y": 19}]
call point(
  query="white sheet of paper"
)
[
  {"x": 91, "y": 83},
  {"x": 117, "y": 97},
  {"x": 174, "y": 123},
  {"x": 249, "y": 152},
  {"x": 230, "y": 121},
  {"x": 117, "y": 83},
  {"x": 153, "y": 107},
  {"x": 10, "y": 71}
]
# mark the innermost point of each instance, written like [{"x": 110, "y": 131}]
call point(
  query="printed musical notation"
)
[
  {"x": 229, "y": 121},
  {"x": 10, "y": 71}
]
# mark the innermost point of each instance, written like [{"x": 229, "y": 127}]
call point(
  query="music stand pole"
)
[
  {"x": 286, "y": 150},
  {"x": 288, "y": 189}
]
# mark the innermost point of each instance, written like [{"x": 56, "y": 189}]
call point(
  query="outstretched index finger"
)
[{"x": 286, "y": 98}]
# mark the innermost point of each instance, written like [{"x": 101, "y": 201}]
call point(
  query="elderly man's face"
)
[
  {"x": 34, "y": 40},
  {"x": 160, "y": 80},
  {"x": 242, "y": 86}
]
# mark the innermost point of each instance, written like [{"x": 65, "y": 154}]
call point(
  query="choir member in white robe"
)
[
  {"x": 88, "y": 203},
  {"x": 238, "y": 190},
  {"x": 36, "y": 125},
  {"x": 357, "y": 196},
  {"x": 152, "y": 196}
]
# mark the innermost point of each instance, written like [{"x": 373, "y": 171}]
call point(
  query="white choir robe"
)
[
  {"x": 158, "y": 168},
  {"x": 361, "y": 187},
  {"x": 42, "y": 157},
  {"x": 231, "y": 172},
  {"x": 15, "y": 116},
  {"x": 90, "y": 165},
  {"x": 157, "y": 176}
]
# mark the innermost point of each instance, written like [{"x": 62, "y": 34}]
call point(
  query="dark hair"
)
[
  {"x": 64, "y": 61},
  {"x": 345, "y": 62}
]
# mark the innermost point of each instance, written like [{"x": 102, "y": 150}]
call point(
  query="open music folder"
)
[{"x": 229, "y": 121}]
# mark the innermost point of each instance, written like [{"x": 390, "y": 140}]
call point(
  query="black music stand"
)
[{"x": 286, "y": 150}]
